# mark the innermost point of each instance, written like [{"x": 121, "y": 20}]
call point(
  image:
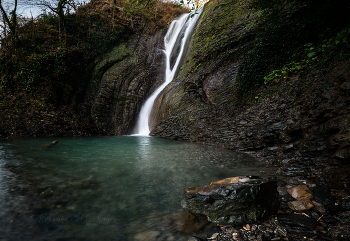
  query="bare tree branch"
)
[
  {"x": 55, "y": 6},
  {"x": 10, "y": 20},
  {"x": 4, "y": 14}
]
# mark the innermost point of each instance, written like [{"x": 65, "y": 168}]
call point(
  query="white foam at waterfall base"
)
[{"x": 184, "y": 24}]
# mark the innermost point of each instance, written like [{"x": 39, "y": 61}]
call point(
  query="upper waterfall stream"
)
[{"x": 179, "y": 30}]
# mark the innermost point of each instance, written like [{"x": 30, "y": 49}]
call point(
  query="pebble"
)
[
  {"x": 71, "y": 207},
  {"x": 300, "y": 205},
  {"x": 236, "y": 236},
  {"x": 300, "y": 192},
  {"x": 261, "y": 228},
  {"x": 247, "y": 227},
  {"x": 320, "y": 208},
  {"x": 214, "y": 236},
  {"x": 254, "y": 227}
]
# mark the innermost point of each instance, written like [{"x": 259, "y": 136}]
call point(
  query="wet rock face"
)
[
  {"x": 233, "y": 203},
  {"x": 123, "y": 80}
]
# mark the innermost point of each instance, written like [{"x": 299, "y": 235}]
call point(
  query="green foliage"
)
[
  {"x": 271, "y": 50},
  {"x": 139, "y": 5},
  {"x": 336, "y": 47},
  {"x": 310, "y": 58},
  {"x": 31, "y": 75},
  {"x": 275, "y": 75},
  {"x": 48, "y": 18},
  {"x": 283, "y": 45}
]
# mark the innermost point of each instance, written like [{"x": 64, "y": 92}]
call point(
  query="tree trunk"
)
[{"x": 12, "y": 23}]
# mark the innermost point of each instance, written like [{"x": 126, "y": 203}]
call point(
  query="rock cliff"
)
[
  {"x": 123, "y": 79},
  {"x": 300, "y": 123}
]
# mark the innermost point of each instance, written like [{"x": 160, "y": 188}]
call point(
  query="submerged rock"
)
[
  {"x": 185, "y": 222},
  {"x": 225, "y": 202}
]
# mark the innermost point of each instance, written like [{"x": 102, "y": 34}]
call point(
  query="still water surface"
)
[{"x": 104, "y": 188}]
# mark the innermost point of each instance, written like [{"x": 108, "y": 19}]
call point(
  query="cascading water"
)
[{"x": 180, "y": 28}]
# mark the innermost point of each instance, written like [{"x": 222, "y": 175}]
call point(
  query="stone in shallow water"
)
[
  {"x": 185, "y": 222},
  {"x": 233, "y": 203},
  {"x": 188, "y": 223}
]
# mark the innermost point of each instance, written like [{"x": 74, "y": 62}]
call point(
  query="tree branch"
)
[{"x": 4, "y": 15}]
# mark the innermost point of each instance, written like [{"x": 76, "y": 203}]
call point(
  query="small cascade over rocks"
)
[{"x": 175, "y": 42}]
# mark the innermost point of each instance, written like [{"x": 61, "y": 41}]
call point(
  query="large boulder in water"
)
[{"x": 233, "y": 200}]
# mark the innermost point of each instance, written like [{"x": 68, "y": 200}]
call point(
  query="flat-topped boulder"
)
[{"x": 236, "y": 200}]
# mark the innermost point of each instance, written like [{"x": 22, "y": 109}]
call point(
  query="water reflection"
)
[{"x": 143, "y": 150}]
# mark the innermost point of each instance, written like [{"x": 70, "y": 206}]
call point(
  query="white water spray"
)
[{"x": 184, "y": 25}]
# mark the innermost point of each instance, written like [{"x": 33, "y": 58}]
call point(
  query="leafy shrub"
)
[
  {"x": 272, "y": 49},
  {"x": 276, "y": 74},
  {"x": 286, "y": 32}
]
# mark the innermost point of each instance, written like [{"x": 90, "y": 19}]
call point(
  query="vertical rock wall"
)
[
  {"x": 123, "y": 79},
  {"x": 204, "y": 85}
]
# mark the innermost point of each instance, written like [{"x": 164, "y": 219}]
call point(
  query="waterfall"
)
[{"x": 179, "y": 29}]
